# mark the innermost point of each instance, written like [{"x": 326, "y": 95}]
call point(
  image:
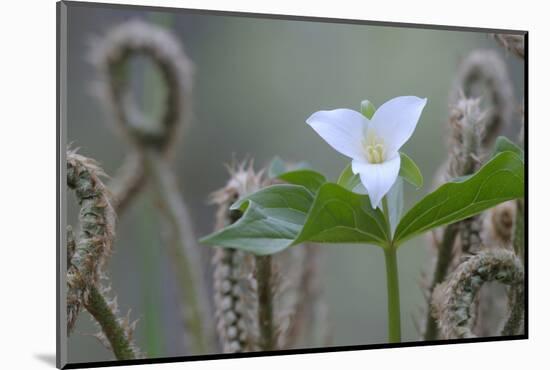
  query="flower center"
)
[{"x": 373, "y": 147}]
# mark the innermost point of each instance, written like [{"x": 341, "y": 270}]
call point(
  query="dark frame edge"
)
[{"x": 526, "y": 197}]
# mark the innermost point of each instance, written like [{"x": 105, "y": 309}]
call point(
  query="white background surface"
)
[{"x": 27, "y": 185}]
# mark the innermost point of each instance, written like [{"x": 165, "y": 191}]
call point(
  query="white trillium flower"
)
[{"x": 373, "y": 145}]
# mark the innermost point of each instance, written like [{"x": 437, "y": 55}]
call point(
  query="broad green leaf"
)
[
  {"x": 348, "y": 180},
  {"x": 367, "y": 109},
  {"x": 395, "y": 203},
  {"x": 410, "y": 171},
  {"x": 276, "y": 167},
  {"x": 499, "y": 180},
  {"x": 504, "y": 144},
  {"x": 340, "y": 216},
  {"x": 280, "y": 216},
  {"x": 272, "y": 219},
  {"x": 309, "y": 179}
]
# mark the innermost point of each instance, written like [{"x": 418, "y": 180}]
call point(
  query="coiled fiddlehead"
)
[
  {"x": 482, "y": 79},
  {"x": 512, "y": 43},
  {"x": 483, "y": 74},
  {"x": 453, "y": 300},
  {"x": 87, "y": 253},
  {"x": 111, "y": 56},
  {"x": 153, "y": 141}
]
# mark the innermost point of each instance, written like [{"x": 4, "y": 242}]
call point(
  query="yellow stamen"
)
[{"x": 373, "y": 147}]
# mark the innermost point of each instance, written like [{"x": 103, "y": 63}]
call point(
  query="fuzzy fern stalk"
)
[
  {"x": 453, "y": 300},
  {"x": 465, "y": 150},
  {"x": 464, "y": 158},
  {"x": 515, "y": 323},
  {"x": 74, "y": 301},
  {"x": 153, "y": 140},
  {"x": 228, "y": 298},
  {"x": 129, "y": 180},
  {"x": 482, "y": 108},
  {"x": 514, "y": 44},
  {"x": 96, "y": 217},
  {"x": 235, "y": 286},
  {"x": 185, "y": 253},
  {"x": 499, "y": 225},
  {"x": 110, "y": 55},
  {"x": 264, "y": 303},
  {"x": 483, "y": 74},
  {"x": 116, "y": 333},
  {"x": 302, "y": 298},
  {"x": 87, "y": 254}
]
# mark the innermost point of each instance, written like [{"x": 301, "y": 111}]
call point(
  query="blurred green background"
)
[{"x": 256, "y": 81}]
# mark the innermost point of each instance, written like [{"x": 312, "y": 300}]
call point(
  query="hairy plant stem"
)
[
  {"x": 519, "y": 230},
  {"x": 267, "y": 338},
  {"x": 184, "y": 251},
  {"x": 516, "y": 297},
  {"x": 128, "y": 182},
  {"x": 444, "y": 258},
  {"x": 97, "y": 306},
  {"x": 392, "y": 279}
]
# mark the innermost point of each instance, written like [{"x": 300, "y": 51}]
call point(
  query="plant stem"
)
[
  {"x": 444, "y": 258},
  {"x": 98, "y": 307},
  {"x": 392, "y": 278},
  {"x": 185, "y": 253},
  {"x": 519, "y": 230},
  {"x": 265, "y": 303}
]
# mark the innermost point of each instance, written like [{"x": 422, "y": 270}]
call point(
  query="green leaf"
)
[
  {"x": 340, "y": 216},
  {"x": 499, "y": 180},
  {"x": 276, "y": 167},
  {"x": 309, "y": 179},
  {"x": 367, "y": 109},
  {"x": 504, "y": 144},
  {"x": 272, "y": 219},
  {"x": 410, "y": 171},
  {"x": 280, "y": 216},
  {"x": 348, "y": 180}
]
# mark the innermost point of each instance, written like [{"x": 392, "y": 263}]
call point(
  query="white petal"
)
[
  {"x": 343, "y": 129},
  {"x": 396, "y": 120},
  {"x": 377, "y": 178}
]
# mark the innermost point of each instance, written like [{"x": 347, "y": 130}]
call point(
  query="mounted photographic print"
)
[{"x": 235, "y": 184}]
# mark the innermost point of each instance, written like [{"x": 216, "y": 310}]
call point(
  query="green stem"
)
[
  {"x": 392, "y": 278},
  {"x": 185, "y": 254},
  {"x": 265, "y": 303},
  {"x": 98, "y": 307}
]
